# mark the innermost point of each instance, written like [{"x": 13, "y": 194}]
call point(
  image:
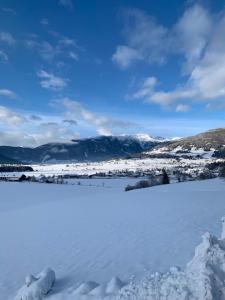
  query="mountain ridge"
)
[{"x": 88, "y": 149}]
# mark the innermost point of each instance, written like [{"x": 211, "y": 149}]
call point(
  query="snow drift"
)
[
  {"x": 37, "y": 287},
  {"x": 203, "y": 278}
]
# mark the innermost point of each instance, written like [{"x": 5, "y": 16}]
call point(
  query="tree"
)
[
  {"x": 23, "y": 178},
  {"x": 222, "y": 172},
  {"x": 165, "y": 177}
]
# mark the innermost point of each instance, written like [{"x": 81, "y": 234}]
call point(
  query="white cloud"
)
[
  {"x": 125, "y": 56},
  {"x": 50, "y": 81},
  {"x": 8, "y": 10},
  {"x": 7, "y": 93},
  {"x": 145, "y": 40},
  {"x": 44, "y": 22},
  {"x": 182, "y": 108},
  {"x": 146, "y": 89},
  {"x": 62, "y": 47},
  {"x": 199, "y": 37},
  {"x": 73, "y": 55},
  {"x": 16, "y": 138},
  {"x": 10, "y": 117},
  {"x": 23, "y": 129},
  {"x": 7, "y": 38},
  {"x": 103, "y": 125},
  {"x": 67, "y": 3},
  {"x": 3, "y": 56},
  {"x": 191, "y": 33}
]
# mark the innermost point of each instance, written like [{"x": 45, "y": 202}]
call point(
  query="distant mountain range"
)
[
  {"x": 109, "y": 147},
  {"x": 89, "y": 149}
]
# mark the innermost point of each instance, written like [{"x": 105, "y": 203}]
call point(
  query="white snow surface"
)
[
  {"x": 36, "y": 288},
  {"x": 90, "y": 168},
  {"x": 93, "y": 234}
]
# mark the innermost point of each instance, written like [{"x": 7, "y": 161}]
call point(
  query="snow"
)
[
  {"x": 90, "y": 168},
  {"x": 94, "y": 234},
  {"x": 36, "y": 288},
  {"x": 193, "y": 152},
  {"x": 202, "y": 279}
]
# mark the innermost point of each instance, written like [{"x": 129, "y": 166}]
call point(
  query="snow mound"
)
[
  {"x": 36, "y": 288},
  {"x": 203, "y": 278},
  {"x": 114, "y": 285},
  {"x": 86, "y": 288}
]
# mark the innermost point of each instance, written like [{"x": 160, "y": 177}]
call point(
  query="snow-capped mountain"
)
[{"x": 89, "y": 149}]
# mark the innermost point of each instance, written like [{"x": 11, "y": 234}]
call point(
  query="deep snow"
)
[{"x": 96, "y": 233}]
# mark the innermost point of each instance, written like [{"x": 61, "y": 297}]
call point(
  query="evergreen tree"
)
[{"x": 165, "y": 178}]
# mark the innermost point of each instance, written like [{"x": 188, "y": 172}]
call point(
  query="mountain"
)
[
  {"x": 212, "y": 140},
  {"x": 7, "y": 160},
  {"x": 89, "y": 149}
]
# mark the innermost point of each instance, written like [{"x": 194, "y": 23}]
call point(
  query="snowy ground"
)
[
  {"x": 135, "y": 165},
  {"x": 95, "y": 233}
]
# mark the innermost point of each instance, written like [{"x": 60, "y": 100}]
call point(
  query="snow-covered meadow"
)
[
  {"x": 120, "y": 165},
  {"x": 94, "y": 233},
  {"x": 113, "y": 167}
]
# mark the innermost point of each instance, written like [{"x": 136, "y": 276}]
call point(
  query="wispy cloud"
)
[
  {"x": 198, "y": 37},
  {"x": 44, "y": 22},
  {"x": 103, "y": 125},
  {"x": 67, "y": 4},
  {"x": 3, "y": 56},
  {"x": 10, "y": 117},
  {"x": 145, "y": 40},
  {"x": 182, "y": 107},
  {"x": 8, "y": 10},
  {"x": 62, "y": 47},
  {"x": 6, "y": 93},
  {"x": 125, "y": 56},
  {"x": 51, "y": 82},
  {"x": 7, "y": 38}
]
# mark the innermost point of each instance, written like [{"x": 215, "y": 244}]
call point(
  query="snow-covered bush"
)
[{"x": 36, "y": 288}]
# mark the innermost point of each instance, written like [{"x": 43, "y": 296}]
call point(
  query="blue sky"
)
[{"x": 78, "y": 68}]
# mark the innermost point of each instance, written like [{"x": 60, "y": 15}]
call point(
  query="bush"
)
[
  {"x": 139, "y": 185},
  {"x": 206, "y": 174},
  {"x": 222, "y": 172},
  {"x": 129, "y": 188},
  {"x": 142, "y": 184}
]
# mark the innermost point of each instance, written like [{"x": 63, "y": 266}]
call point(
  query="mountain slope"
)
[
  {"x": 7, "y": 160},
  {"x": 90, "y": 149},
  {"x": 212, "y": 139}
]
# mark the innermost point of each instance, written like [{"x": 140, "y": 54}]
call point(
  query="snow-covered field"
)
[
  {"x": 94, "y": 233},
  {"x": 119, "y": 165}
]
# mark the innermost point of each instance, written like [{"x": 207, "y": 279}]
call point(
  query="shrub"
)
[
  {"x": 142, "y": 184},
  {"x": 129, "y": 188},
  {"x": 222, "y": 172}
]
